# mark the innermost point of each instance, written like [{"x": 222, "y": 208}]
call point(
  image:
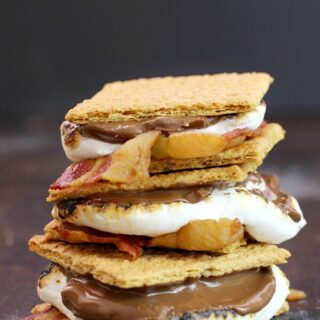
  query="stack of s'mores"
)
[{"x": 162, "y": 213}]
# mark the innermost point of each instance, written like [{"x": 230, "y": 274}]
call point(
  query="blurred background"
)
[{"x": 56, "y": 53}]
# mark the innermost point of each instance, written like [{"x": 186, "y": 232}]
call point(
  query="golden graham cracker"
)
[
  {"x": 159, "y": 181},
  {"x": 252, "y": 150},
  {"x": 154, "y": 267},
  {"x": 206, "y": 95}
]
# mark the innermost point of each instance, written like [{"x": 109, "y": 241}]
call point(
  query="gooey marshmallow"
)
[
  {"x": 50, "y": 292},
  {"x": 262, "y": 219},
  {"x": 89, "y": 148}
]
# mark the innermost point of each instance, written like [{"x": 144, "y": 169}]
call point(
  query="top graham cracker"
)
[{"x": 197, "y": 95}]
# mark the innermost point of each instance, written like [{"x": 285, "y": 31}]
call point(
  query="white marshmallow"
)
[
  {"x": 50, "y": 292},
  {"x": 262, "y": 219}
]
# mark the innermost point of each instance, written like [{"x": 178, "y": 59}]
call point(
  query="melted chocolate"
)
[
  {"x": 189, "y": 195},
  {"x": 242, "y": 292},
  {"x": 126, "y": 199},
  {"x": 121, "y": 131},
  {"x": 273, "y": 193}
]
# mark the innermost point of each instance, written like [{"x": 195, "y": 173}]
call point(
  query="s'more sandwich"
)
[{"x": 162, "y": 214}]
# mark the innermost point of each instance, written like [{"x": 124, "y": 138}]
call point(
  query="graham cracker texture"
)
[
  {"x": 159, "y": 181},
  {"x": 206, "y": 95},
  {"x": 155, "y": 266},
  {"x": 252, "y": 150}
]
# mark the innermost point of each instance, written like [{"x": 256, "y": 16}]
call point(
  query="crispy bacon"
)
[
  {"x": 102, "y": 167},
  {"x": 74, "y": 234},
  {"x": 236, "y": 133},
  {"x": 72, "y": 173},
  {"x": 244, "y": 132},
  {"x": 127, "y": 164}
]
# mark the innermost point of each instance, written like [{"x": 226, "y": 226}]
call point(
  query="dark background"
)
[
  {"x": 56, "y": 53},
  {"x": 53, "y": 54}
]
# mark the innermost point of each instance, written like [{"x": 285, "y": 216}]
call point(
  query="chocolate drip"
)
[
  {"x": 273, "y": 193},
  {"x": 242, "y": 292}
]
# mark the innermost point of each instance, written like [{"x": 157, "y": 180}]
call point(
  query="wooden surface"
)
[{"x": 31, "y": 158}]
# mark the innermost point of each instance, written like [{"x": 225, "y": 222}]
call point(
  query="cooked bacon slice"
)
[
  {"x": 244, "y": 132},
  {"x": 72, "y": 173},
  {"x": 68, "y": 232},
  {"x": 236, "y": 133},
  {"x": 199, "y": 235},
  {"x": 238, "y": 136},
  {"x": 131, "y": 161},
  {"x": 101, "y": 166},
  {"x": 127, "y": 164}
]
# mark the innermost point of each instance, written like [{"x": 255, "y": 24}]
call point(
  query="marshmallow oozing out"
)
[{"x": 263, "y": 219}]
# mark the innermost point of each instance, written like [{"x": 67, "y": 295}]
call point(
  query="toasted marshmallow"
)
[
  {"x": 89, "y": 148},
  {"x": 263, "y": 219},
  {"x": 49, "y": 290},
  {"x": 51, "y": 285}
]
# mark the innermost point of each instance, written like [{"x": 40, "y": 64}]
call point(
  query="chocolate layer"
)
[
  {"x": 121, "y": 131},
  {"x": 123, "y": 198},
  {"x": 243, "y": 292}
]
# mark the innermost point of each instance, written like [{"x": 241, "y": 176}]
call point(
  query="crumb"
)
[{"x": 296, "y": 295}]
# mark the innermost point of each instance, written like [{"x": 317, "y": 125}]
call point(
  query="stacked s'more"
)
[{"x": 162, "y": 213}]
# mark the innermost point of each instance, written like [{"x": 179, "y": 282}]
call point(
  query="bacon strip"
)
[
  {"x": 72, "y": 173},
  {"x": 236, "y": 133},
  {"x": 70, "y": 233},
  {"x": 127, "y": 164},
  {"x": 244, "y": 132}
]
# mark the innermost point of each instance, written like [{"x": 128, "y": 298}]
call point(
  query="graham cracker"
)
[
  {"x": 154, "y": 267},
  {"x": 159, "y": 181},
  {"x": 205, "y": 95}
]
